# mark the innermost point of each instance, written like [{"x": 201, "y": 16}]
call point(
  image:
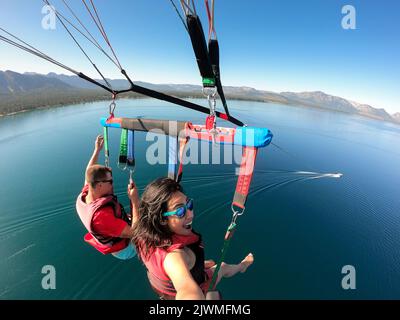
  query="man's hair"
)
[{"x": 96, "y": 173}]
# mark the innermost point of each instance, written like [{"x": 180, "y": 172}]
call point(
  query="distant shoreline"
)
[{"x": 75, "y": 97}]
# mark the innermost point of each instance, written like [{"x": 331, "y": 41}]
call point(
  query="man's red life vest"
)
[{"x": 104, "y": 244}]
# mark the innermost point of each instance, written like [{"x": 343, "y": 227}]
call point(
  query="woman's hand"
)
[{"x": 98, "y": 145}]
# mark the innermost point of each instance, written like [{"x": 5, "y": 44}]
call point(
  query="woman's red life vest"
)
[
  {"x": 159, "y": 279},
  {"x": 102, "y": 243}
]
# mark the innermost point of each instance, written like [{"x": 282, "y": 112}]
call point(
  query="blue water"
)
[{"x": 302, "y": 228}]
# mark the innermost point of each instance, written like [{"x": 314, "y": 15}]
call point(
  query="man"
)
[{"x": 110, "y": 227}]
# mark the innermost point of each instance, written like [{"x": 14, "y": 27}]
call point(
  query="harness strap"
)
[
  {"x": 182, "y": 144},
  {"x": 131, "y": 162},
  {"x": 123, "y": 150},
  {"x": 239, "y": 200},
  {"x": 106, "y": 150},
  {"x": 131, "y": 150},
  {"x": 196, "y": 34},
  {"x": 228, "y": 236},
  {"x": 175, "y": 172},
  {"x": 245, "y": 176},
  {"x": 172, "y": 156}
]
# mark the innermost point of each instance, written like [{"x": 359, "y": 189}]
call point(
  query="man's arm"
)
[
  {"x": 98, "y": 145},
  {"x": 134, "y": 198}
]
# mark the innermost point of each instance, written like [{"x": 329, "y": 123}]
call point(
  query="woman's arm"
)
[{"x": 177, "y": 269}]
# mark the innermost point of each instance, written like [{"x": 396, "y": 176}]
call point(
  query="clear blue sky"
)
[{"x": 277, "y": 45}]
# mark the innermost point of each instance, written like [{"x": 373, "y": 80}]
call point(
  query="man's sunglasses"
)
[
  {"x": 109, "y": 181},
  {"x": 181, "y": 211}
]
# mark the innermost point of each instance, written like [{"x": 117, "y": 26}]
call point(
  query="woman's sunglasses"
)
[{"x": 181, "y": 211}]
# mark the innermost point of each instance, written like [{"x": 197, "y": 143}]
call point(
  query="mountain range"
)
[{"x": 15, "y": 85}]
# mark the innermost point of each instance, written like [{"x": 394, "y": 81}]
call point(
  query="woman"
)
[{"x": 170, "y": 249}]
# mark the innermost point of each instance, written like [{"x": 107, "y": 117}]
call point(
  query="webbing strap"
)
[
  {"x": 130, "y": 161},
  {"x": 182, "y": 145},
  {"x": 239, "y": 200},
  {"x": 175, "y": 172},
  {"x": 213, "y": 51},
  {"x": 123, "y": 148},
  {"x": 245, "y": 176},
  {"x": 209, "y": 82},
  {"x": 196, "y": 34},
  {"x": 106, "y": 150},
  {"x": 180, "y": 102},
  {"x": 172, "y": 156},
  {"x": 227, "y": 239}
]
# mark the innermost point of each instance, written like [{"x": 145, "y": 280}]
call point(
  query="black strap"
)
[
  {"x": 180, "y": 102},
  {"x": 162, "y": 96},
  {"x": 213, "y": 51},
  {"x": 196, "y": 34}
]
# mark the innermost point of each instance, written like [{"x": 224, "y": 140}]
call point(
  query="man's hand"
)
[
  {"x": 133, "y": 195},
  {"x": 98, "y": 145}
]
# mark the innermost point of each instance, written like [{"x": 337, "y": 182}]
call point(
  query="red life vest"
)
[
  {"x": 104, "y": 244},
  {"x": 159, "y": 279}
]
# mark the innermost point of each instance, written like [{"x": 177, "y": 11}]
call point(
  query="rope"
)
[
  {"x": 179, "y": 14},
  {"x": 101, "y": 28},
  {"x": 77, "y": 43},
  {"x": 187, "y": 9},
  {"x": 92, "y": 40},
  {"x": 210, "y": 15},
  {"x": 35, "y": 52}
]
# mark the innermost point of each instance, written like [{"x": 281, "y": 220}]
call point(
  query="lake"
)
[{"x": 302, "y": 226}]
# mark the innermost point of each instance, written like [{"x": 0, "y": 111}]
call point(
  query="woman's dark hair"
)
[{"x": 151, "y": 230}]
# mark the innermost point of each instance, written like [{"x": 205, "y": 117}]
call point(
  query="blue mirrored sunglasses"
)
[{"x": 181, "y": 211}]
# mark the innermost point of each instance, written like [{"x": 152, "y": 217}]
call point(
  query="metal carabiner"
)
[
  {"x": 112, "y": 105},
  {"x": 236, "y": 213},
  {"x": 107, "y": 161},
  {"x": 209, "y": 92},
  {"x": 121, "y": 167},
  {"x": 131, "y": 171},
  {"x": 212, "y": 104},
  {"x": 111, "y": 108}
]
